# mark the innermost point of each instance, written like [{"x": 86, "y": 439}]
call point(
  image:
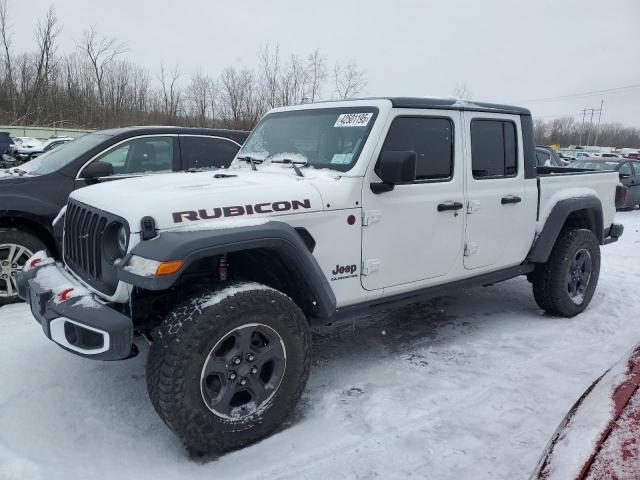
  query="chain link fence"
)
[{"x": 43, "y": 133}]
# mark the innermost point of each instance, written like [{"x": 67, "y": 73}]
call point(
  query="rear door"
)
[
  {"x": 500, "y": 225},
  {"x": 199, "y": 151},
  {"x": 414, "y": 232}
]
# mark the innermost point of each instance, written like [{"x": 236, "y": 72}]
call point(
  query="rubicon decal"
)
[
  {"x": 239, "y": 210},
  {"x": 343, "y": 271}
]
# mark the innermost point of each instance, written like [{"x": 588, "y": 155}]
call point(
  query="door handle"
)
[
  {"x": 443, "y": 207},
  {"x": 510, "y": 199}
]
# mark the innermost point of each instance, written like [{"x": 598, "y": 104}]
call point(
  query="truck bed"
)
[{"x": 556, "y": 184}]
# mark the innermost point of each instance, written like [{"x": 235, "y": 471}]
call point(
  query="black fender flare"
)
[
  {"x": 556, "y": 220},
  {"x": 192, "y": 245}
]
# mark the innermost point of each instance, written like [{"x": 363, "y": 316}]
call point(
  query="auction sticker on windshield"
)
[{"x": 353, "y": 120}]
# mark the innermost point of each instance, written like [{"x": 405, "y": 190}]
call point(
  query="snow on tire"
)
[
  {"x": 227, "y": 367},
  {"x": 565, "y": 284}
]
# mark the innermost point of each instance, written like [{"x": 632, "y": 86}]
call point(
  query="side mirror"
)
[
  {"x": 624, "y": 176},
  {"x": 395, "y": 168},
  {"x": 97, "y": 169}
]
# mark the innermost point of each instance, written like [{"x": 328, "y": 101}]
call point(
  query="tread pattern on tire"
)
[
  {"x": 549, "y": 279},
  {"x": 178, "y": 345}
]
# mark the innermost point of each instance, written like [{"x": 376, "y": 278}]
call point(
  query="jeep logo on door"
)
[
  {"x": 239, "y": 210},
  {"x": 343, "y": 271}
]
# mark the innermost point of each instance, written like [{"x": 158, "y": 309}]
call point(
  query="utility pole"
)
[
  {"x": 590, "y": 127},
  {"x": 599, "y": 117},
  {"x": 584, "y": 112}
]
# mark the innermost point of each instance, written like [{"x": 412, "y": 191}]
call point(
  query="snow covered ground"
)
[{"x": 469, "y": 386}]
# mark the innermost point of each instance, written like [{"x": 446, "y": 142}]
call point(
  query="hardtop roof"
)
[{"x": 455, "y": 104}]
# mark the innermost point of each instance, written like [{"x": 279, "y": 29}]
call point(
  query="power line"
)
[{"x": 608, "y": 91}]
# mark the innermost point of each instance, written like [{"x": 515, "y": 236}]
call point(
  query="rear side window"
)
[
  {"x": 494, "y": 151},
  {"x": 431, "y": 139},
  {"x": 636, "y": 168},
  {"x": 207, "y": 152},
  {"x": 543, "y": 158},
  {"x": 625, "y": 169}
]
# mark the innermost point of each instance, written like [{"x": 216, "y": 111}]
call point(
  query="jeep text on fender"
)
[{"x": 329, "y": 209}]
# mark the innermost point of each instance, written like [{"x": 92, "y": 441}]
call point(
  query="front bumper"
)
[{"x": 72, "y": 317}]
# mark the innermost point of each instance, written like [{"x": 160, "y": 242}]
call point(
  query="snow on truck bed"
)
[{"x": 468, "y": 386}]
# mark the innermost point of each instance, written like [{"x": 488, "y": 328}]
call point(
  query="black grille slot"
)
[{"x": 84, "y": 228}]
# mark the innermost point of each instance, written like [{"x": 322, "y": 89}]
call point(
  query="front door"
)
[
  {"x": 135, "y": 157},
  {"x": 414, "y": 232},
  {"x": 499, "y": 228}
]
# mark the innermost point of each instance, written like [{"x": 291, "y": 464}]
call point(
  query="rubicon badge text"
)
[{"x": 239, "y": 210}]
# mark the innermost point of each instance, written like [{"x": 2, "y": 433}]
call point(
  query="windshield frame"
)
[{"x": 369, "y": 108}]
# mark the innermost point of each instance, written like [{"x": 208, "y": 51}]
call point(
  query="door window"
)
[
  {"x": 636, "y": 168},
  {"x": 494, "y": 152},
  {"x": 432, "y": 141},
  {"x": 625, "y": 169},
  {"x": 207, "y": 152},
  {"x": 141, "y": 155},
  {"x": 543, "y": 158}
]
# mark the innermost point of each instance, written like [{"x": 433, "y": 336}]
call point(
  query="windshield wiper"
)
[
  {"x": 293, "y": 163},
  {"x": 251, "y": 160}
]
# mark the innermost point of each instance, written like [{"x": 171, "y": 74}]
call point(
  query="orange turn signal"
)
[{"x": 169, "y": 268}]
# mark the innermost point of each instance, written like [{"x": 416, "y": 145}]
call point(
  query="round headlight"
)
[{"x": 122, "y": 240}]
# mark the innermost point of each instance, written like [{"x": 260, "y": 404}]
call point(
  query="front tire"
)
[
  {"x": 565, "y": 284},
  {"x": 15, "y": 249},
  {"x": 227, "y": 367}
]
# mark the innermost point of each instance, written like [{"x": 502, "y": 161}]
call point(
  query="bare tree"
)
[
  {"x": 46, "y": 34},
  {"x": 171, "y": 92},
  {"x": 317, "y": 75},
  {"x": 101, "y": 53},
  {"x": 236, "y": 89},
  {"x": 5, "y": 34},
  {"x": 200, "y": 93},
  {"x": 293, "y": 82},
  {"x": 269, "y": 64},
  {"x": 349, "y": 80},
  {"x": 95, "y": 87},
  {"x": 462, "y": 92}
]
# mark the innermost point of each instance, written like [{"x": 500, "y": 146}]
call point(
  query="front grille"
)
[{"x": 84, "y": 230}]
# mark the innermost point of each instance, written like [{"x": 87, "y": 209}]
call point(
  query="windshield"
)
[
  {"x": 591, "y": 165},
  {"x": 59, "y": 157},
  {"x": 323, "y": 138}
]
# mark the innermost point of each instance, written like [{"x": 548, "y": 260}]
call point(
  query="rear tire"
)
[
  {"x": 227, "y": 367},
  {"x": 565, "y": 284},
  {"x": 16, "y": 247}
]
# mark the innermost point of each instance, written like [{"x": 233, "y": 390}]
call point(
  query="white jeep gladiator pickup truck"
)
[{"x": 328, "y": 209}]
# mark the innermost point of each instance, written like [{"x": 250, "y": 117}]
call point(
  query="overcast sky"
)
[{"x": 506, "y": 51}]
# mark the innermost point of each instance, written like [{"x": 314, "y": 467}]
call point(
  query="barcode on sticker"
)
[{"x": 353, "y": 120}]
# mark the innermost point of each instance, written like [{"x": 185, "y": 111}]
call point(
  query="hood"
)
[{"x": 199, "y": 200}]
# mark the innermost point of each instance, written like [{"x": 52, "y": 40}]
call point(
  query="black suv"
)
[{"x": 32, "y": 195}]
